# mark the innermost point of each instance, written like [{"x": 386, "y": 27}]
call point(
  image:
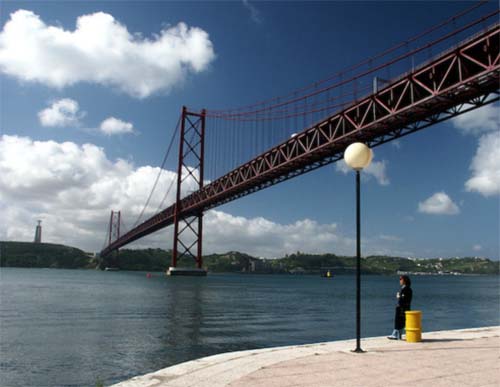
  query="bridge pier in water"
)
[{"x": 186, "y": 271}]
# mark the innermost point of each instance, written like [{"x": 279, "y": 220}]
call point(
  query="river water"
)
[{"x": 83, "y": 327}]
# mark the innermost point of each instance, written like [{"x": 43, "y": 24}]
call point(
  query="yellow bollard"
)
[{"x": 413, "y": 326}]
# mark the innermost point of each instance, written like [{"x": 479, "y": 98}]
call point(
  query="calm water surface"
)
[{"x": 74, "y": 328}]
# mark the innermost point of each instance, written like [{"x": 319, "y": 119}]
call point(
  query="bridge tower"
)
[
  {"x": 111, "y": 261},
  {"x": 188, "y": 227},
  {"x": 114, "y": 226}
]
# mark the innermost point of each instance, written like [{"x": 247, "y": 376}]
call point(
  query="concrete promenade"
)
[{"x": 468, "y": 357}]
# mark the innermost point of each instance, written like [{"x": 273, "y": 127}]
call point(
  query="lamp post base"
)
[{"x": 358, "y": 350}]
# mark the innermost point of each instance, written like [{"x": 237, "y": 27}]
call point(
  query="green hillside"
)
[
  {"x": 145, "y": 260},
  {"x": 28, "y": 254}
]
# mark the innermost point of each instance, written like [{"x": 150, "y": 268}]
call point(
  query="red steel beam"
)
[{"x": 459, "y": 80}]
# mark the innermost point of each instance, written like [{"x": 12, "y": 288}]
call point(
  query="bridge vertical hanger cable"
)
[
  {"x": 211, "y": 141},
  {"x": 274, "y": 132},
  {"x": 254, "y": 133},
  {"x": 306, "y": 108},
  {"x": 232, "y": 136},
  {"x": 268, "y": 130},
  {"x": 232, "y": 146},
  {"x": 218, "y": 148},
  {"x": 240, "y": 141},
  {"x": 214, "y": 128},
  {"x": 214, "y": 140},
  {"x": 257, "y": 134},
  {"x": 218, "y": 144},
  {"x": 234, "y": 132},
  {"x": 222, "y": 153},
  {"x": 223, "y": 148},
  {"x": 365, "y": 73},
  {"x": 380, "y": 55},
  {"x": 208, "y": 154}
]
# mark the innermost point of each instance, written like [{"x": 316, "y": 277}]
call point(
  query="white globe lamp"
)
[{"x": 358, "y": 156}]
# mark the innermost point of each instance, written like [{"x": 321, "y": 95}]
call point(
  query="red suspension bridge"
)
[{"x": 227, "y": 154}]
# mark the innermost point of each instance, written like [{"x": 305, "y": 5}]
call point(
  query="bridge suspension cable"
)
[
  {"x": 167, "y": 153},
  {"x": 297, "y": 95},
  {"x": 167, "y": 192},
  {"x": 235, "y": 136},
  {"x": 123, "y": 226},
  {"x": 106, "y": 238}
]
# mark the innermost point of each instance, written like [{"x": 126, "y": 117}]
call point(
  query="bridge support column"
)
[{"x": 188, "y": 227}]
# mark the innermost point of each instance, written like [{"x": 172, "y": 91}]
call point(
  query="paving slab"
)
[{"x": 465, "y": 357}]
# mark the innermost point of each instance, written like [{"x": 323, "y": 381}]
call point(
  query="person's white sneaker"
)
[{"x": 396, "y": 335}]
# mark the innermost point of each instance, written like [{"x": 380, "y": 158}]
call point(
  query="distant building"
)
[{"x": 38, "y": 232}]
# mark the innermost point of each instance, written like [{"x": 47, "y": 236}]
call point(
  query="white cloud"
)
[
  {"x": 254, "y": 12},
  {"x": 485, "y": 166},
  {"x": 390, "y": 238},
  {"x": 101, "y": 50},
  {"x": 478, "y": 121},
  {"x": 376, "y": 169},
  {"x": 112, "y": 125},
  {"x": 396, "y": 144},
  {"x": 438, "y": 204},
  {"x": 262, "y": 237},
  {"x": 64, "y": 112},
  {"x": 477, "y": 247},
  {"x": 73, "y": 188}
]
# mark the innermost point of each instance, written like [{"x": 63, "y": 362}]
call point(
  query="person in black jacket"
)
[{"x": 404, "y": 297}]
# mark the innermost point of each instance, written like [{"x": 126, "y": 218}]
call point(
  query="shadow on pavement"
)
[{"x": 440, "y": 340}]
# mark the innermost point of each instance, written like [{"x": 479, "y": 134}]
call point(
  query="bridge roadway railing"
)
[{"x": 461, "y": 79}]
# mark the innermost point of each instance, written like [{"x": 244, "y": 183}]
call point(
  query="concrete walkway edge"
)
[{"x": 333, "y": 363}]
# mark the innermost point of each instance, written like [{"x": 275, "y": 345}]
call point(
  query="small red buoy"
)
[{"x": 148, "y": 275}]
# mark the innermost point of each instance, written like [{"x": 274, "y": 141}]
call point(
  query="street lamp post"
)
[{"x": 358, "y": 156}]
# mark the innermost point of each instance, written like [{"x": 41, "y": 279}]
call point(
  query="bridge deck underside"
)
[{"x": 459, "y": 80}]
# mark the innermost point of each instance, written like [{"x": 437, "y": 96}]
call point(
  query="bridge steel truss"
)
[{"x": 459, "y": 80}]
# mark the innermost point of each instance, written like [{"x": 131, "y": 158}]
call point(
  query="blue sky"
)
[{"x": 246, "y": 51}]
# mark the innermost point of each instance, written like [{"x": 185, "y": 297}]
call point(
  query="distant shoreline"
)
[
  {"x": 162, "y": 272},
  {"x": 48, "y": 255}
]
